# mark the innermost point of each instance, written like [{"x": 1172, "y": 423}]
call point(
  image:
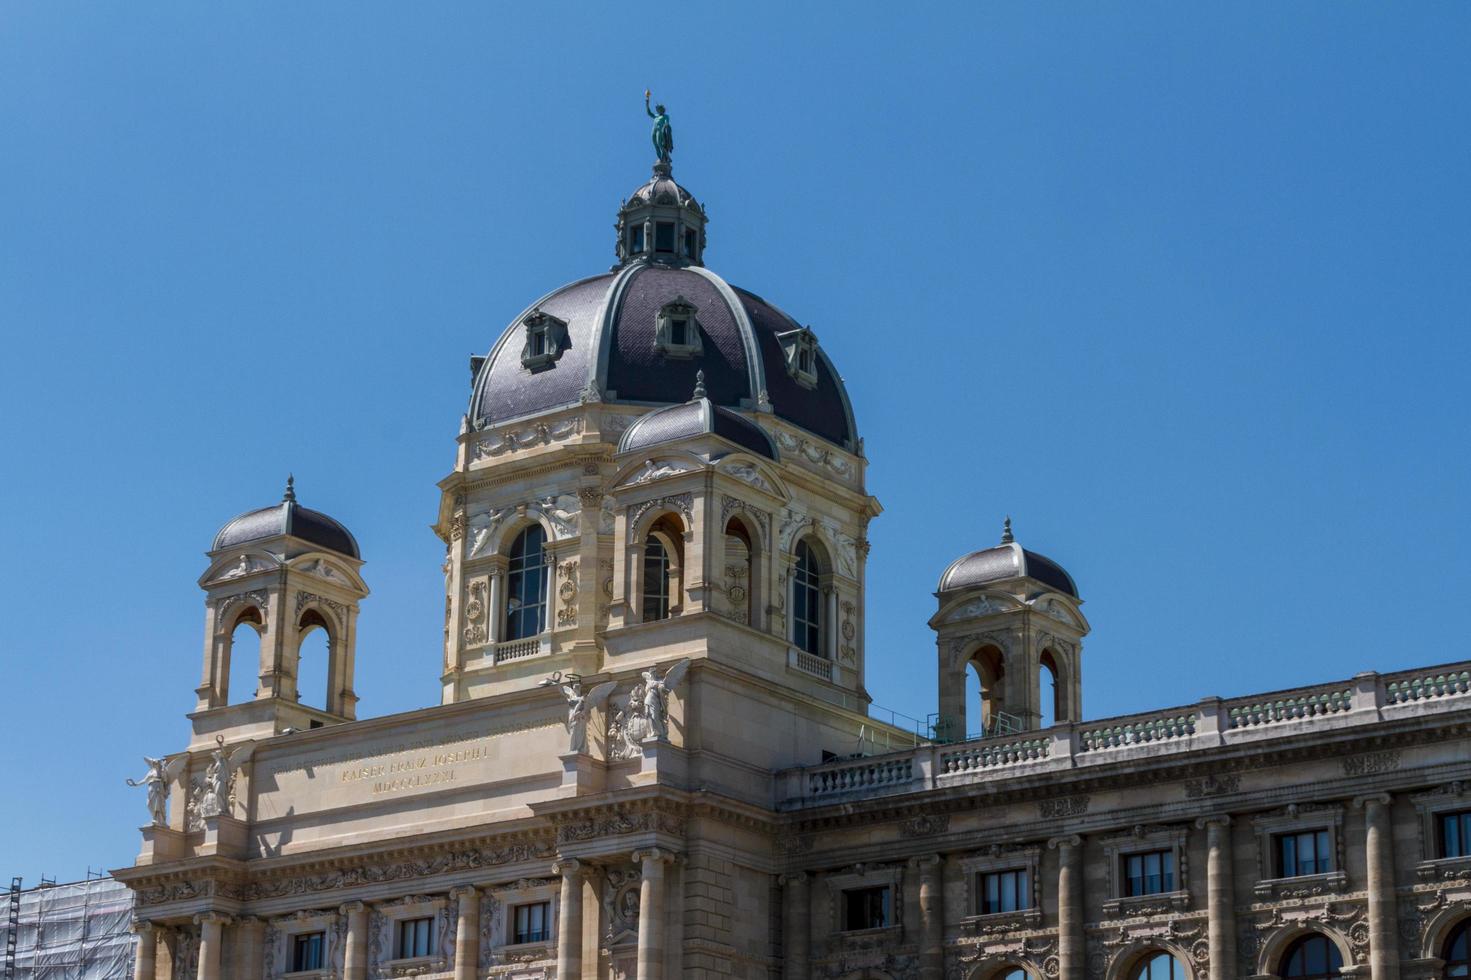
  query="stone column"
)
[
  {"x": 145, "y": 960},
  {"x": 651, "y": 912},
  {"x": 248, "y": 958},
  {"x": 467, "y": 933},
  {"x": 569, "y": 921},
  {"x": 1383, "y": 914},
  {"x": 1070, "y": 948},
  {"x": 1220, "y": 889},
  {"x": 355, "y": 947},
  {"x": 931, "y": 918},
  {"x": 830, "y": 624},
  {"x": 796, "y": 925},
  {"x": 211, "y": 932},
  {"x": 494, "y": 610}
]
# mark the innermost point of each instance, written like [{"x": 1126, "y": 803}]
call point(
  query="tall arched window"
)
[
  {"x": 243, "y": 670},
  {"x": 1050, "y": 688},
  {"x": 313, "y": 659},
  {"x": 1159, "y": 965},
  {"x": 1312, "y": 957},
  {"x": 656, "y": 579},
  {"x": 663, "y": 559},
  {"x": 1457, "y": 951},
  {"x": 526, "y": 584},
  {"x": 807, "y": 601}
]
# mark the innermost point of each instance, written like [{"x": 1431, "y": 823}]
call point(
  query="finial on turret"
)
[
  {"x": 699, "y": 386},
  {"x": 1006, "y": 537},
  {"x": 289, "y": 497}
]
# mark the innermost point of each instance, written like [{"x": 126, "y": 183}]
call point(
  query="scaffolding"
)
[{"x": 75, "y": 931}]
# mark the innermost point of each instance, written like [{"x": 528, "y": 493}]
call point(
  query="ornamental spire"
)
[
  {"x": 1006, "y": 537},
  {"x": 289, "y": 497},
  {"x": 699, "y": 386}
]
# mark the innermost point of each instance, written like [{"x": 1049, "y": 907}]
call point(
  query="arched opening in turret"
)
[
  {"x": 242, "y": 657},
  {"x": 985, "y": 703},
  {"x": 1049, "y": 686},
  {"x": 662, "y": 565},
  {"x": 313, "y": 660},
  {"x": 741, "y": 574}
]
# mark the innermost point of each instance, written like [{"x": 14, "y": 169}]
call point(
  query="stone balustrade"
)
[
  {"x": 1366, "y": 699},
  {"x": 517, "y": 649}
]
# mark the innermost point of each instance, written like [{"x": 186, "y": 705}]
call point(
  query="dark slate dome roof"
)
[
  {"x": 607, "y": 348},
  {"x": 288, "y": 517},
  {"x": 1008, "y": 560},
  {"x": 693, "y": 418}
]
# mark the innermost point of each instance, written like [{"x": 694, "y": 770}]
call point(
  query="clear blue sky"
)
[{"x": 1183, "y": 289}]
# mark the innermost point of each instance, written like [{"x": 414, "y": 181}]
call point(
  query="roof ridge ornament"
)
[
  {"x": 699, "y": 386},
  {"x": 1006, "y": 537},
  {"x": 289, "y": 497}
]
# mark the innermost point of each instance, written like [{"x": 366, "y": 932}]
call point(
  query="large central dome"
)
[{"x": 639, "y": 334}]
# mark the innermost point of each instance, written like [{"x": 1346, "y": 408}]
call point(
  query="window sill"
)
[
  {"x": 1302, "y": 886},
  {"x": 1175, "y": 901},
  {"x": 864, "y": 935},
  {"x": 412, "y": 965},
  {"x": 992, "y": 922},
  {"x": 529, "y": 950},
  {"x": 305, "y": 974},
  {"x": 1446, "y": 868}
]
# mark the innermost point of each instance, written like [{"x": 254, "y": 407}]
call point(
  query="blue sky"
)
[{"x": 1182, "y": 288}]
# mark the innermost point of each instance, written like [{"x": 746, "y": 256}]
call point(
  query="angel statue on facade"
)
[
  {"x": 161, "y": 772},
  {"x": 656, "y": 697},
  {"x": 662, "y": 133},
  {"x": 579, "y": 706},
  {"x": 219, "y": 778}
]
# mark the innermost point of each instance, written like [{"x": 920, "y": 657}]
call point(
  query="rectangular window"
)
[
  {"x": 691, "y": 243},
  {"x": 415, "y": 938},
  {"x": 538, "y": 343},
  {"x": 1304, "y": 853},
  {"x": 664, "y": 236},
  {"x": 679, "y": 332},
  {"x": 636, "y": 239},
  {"x": 1149, "y": 873},
  {"x": 306, "y": 952},
  {"x": 1455, "y": 834},
  {"x": 1004, "y": 891},
  {"x": 866, "y": 908},
  {"x": 531, "y": 925}
]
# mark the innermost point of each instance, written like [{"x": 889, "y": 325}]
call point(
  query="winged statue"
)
[
  {"x": 656, "y": 696},
  {"x": 161, "y": 772},
  {"x": 219, "y": 778},
  {"x": 579, "y": 706}
]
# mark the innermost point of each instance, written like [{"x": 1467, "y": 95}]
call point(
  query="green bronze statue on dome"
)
[{"x": 663, "y": 133}]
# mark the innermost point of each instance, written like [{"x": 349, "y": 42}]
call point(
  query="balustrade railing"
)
[
  {"x": 1137, "y": 731},
  {"x": 1400, "y": 689},
  {"x": 1290, "y": 708},
  {"x": 517, "y": 649},
  {"x": 861, "y": 774},
  {"x": 993, "y": 753}
]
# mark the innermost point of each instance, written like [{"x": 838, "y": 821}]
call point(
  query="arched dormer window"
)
[
  {"x": 663, "y": 559},
  {"x": 1457, "y": 951},
  {"x": 526, "y": 584},
  {"x": 1159, "y": 965},
  {"x": 1312, "y": 957},
  {"x": 807, "y": 624},
  {"x": 800, "y": 349}
]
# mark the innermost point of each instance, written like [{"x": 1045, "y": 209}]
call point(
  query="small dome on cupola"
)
[
  {"x": 696, "y": 417},
  {"x": 661, "y": 222},
  {"x": 288, "y": 518},
  {"x": 1008, "y": 560}
]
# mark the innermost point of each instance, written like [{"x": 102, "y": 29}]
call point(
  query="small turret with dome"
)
[{"x": 1011, "y": 615}]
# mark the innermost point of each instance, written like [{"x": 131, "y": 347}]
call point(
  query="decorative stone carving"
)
[
  {"x": 730, "y": 505},
  {"x": 792, "y": 523},
  {"x": 975, "y": 608},
  {"x": 607, "y": 518},
  {"x": 1065, "y": 806},
  {"x": 247, "y": 565},
  {"x": 580, "y": 706},
  {"x": 161, "y": 772},
  {"x": 813, "y": 452},
  {"x": 925, "y": 825},
  {"x": 526, "y": 437},
  {"x": 483, "y": 528},
  {"x": 620, "y": 905},
  {"x": 1212, "y": 785},
  {"x": 682, "y": 502},
  {"x": 561, "y": 511},
  {"x": 1371, "y": 762},
  {"x": 848, "y": 632},
  {"x": 657, "y": 471},
  {"x": 256, "y": 597},
  {"x": 747, "y": 473},
  {"x": 304, "y": 599}
]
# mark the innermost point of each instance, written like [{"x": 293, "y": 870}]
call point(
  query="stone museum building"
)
[{"x": 653, "y": 755}]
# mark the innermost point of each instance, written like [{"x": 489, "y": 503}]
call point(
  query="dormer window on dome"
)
[
  {"x": 546, "y": 337},
  {"x": 676, "y": 331},
  {"x": 800, "y": 348}
]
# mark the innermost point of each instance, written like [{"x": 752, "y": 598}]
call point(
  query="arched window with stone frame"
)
[
  {"x": 1158, "y": 964},
  {"x": 528, "y": 566},
  {"x": 660, "y": 569},
  {"x": 1456, "y": 951},
  {"x": 1311, "y": 957},
  {"x": 811, "y": 581}
]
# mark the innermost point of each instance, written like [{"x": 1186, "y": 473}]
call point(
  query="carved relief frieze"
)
[
  {"x": 730, "y": 505},
  {"x": 682, "y": 502},
  {"x": 925, "y": 825},
  {"x": 304, "y": 599},
  {"x": 1371, "y": 762},
  {"x": 620, "y": 905},
  {"x": 256, "y": 597},
  {"x": 1212, "y": 785},
  {"x": 1064, "y": 806},
  {"x": 814, "y": 452},
  {"x": 512, "y": 440}
]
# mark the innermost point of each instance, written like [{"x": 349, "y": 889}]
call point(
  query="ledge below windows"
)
[
  {"x": 1156, "y": 904},
  {"x": 1447, "y": 869},
  {"x": 1303, "y": 886},
  {"x": 1001, "y": 922}
]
